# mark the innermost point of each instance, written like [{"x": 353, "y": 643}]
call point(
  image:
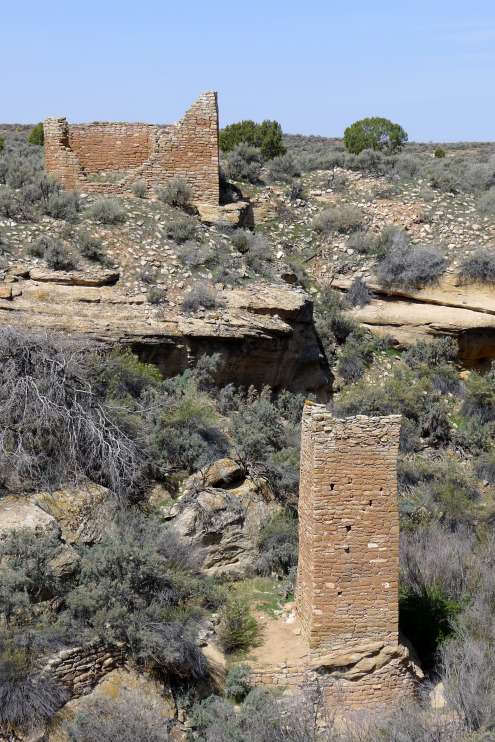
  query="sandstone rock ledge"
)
[
  {"x": 465, "y": 312},
  {"x": 264, "y": 334}
]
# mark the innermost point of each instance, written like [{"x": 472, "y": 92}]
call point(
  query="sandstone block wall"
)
[
  {"x": 121, "y": 153},
  {"x": 347, "y": 585},
  {"x": 79, "y": 669}
]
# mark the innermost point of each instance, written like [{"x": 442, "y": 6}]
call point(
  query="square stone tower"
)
[{"x": 347, "y": 583}]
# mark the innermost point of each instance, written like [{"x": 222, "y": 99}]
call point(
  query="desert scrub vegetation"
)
[
  {"x": 283, "y": 168},
  {"x": 181, "y": 228},
  {"x": 177, "y": 192},
  {"x": 411, "y": 266},
  {"x": 107, "y": 211},
  {"x": 342, "y": 219},
  {"x": 244, "y": 163},
  {"x": 237, "y": 630},
  {"x": 140, "y": 189},
  {"x": 478, "y": 267},
  {"x": 129, "y": 718},
  {"x": 201, "y": 296},
  {"x": 486, "y": 203}
]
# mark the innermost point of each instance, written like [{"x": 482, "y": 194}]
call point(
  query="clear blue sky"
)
[{"x": 315, "y": 66}]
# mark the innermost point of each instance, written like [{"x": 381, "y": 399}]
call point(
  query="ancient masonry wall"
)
[
  {"x": 79, "y": 669},
  {"x": 347, "y": 585},
  {"x": 119, "y": 154}
]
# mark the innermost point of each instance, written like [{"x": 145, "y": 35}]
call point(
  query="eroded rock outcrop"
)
[
  {"x": 222, "y": 520},
  {"x": 465, "y": 312},
  {"x": 264, "y": 334}
]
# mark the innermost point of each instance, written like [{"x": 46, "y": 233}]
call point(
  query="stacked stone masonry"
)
[
  {"x": 346, "y": 642},
  {"x": 79, "y": 669},
  {"x": 347, "y": 587},
  {"x": 110, "y": 157}
]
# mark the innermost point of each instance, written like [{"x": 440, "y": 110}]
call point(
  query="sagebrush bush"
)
[
  {"x": 411, "y": 268},
  {"x": 12, "y": 206},
  {"x": 244, "y": 163},
  {"x": 62, "y": 205},
  {"x": 90, "y": 247},
  {"x": 201, "y": 296},
  {"x": 439, "y": 152},
  {"x": 407, "y": 166},
  {"x": 177, "y": 192},
  {"x": 338, "y": 219},
  {"x": 277, "y": 545},
  {"x": 128, "y": 718},
  {"x": 237, "y": 629},
  {"x": 359, "y": 294},
  {"x": 140, "y": 586},
  {"x": 181, "y": 229},
  {"x": 58, "y": 257},
  {"x": 28, "y": 699},
  {"x": 283, "y": 168},
  {"x": 486, "y": 203},
  {"x": 140, "y": 189},
  {"x": 107, "y": 211},
  {"x": 237, "y": 683},
  {"x": 362, "y": 242},
  {"x": 479, "y": 267},
  {"x": 194, "y": 254}
]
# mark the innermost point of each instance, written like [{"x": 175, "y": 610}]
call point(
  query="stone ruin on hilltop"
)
[
  {"x": 343, "y": 637},
  {"x": 108, "y": 157}
]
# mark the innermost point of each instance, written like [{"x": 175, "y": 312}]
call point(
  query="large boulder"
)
[
  {"x": 223, "y": 524},
  {"x": 81, "y": 512},
  {"x": 21, "y": 512}
]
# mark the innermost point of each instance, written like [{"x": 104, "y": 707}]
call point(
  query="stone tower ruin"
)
[
  {"x": 109, "y": 157},
  {"x": 343, "y": 639},
  {"x": 347, "y": 584}
]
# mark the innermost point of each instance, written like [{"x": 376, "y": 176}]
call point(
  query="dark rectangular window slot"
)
[
  {"x": 339, "y": 592},
  {"x": 371, "y": 503},
  {"x": 347, "y": 549},
  {"x": 348, "y": 528},
  {"x": 332, "y": 486}
]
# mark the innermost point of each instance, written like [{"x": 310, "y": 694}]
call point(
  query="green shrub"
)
[
  {"x": 431, "y": 354},
  {"x": 156, "y": 295},
  {"x": 267, "y": 137},
  {"x": 479, "y": 396},
  {"x": 237, "y": 629},
  {"x": 411, "y": 268},
  {"x": 479, "y": 267},
  {"x": 237, "y": 683},
  {"x": 244, "y": 163},
  {"x": 374, "y": 133},
  {"x": 37, "y": 135},
  {"x": 177, "y": 192},
  {"x": 2, "y": 143},
  {"x": 439, "y": 152},
  {"x": 107, "y": 211},
  {"x": 140, "y": 586},
  {"x": 342, "y": 219},
  {"x": 426, "y": 619}
]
